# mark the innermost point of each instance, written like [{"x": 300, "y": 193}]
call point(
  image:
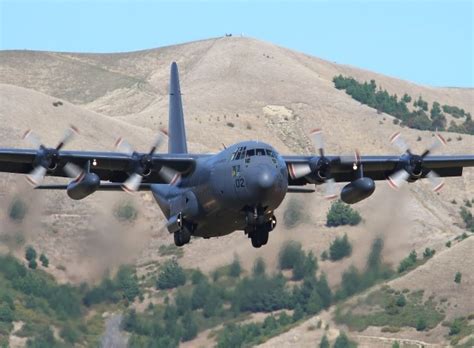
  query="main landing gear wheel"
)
[{"x": 182, "y": 237}]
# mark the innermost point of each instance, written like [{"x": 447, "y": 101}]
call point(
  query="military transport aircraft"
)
[{"x": 239, "y": 188}]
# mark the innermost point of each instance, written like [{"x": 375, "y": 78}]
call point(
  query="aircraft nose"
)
[
  {"x": 262, "y": 181},
  {"x": 266, "y": 178}
]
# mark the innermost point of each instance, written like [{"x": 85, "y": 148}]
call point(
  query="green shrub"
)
[
  {"x": 305, "y": 266},
  {"x": 457, "y": 277},
  {"x": 17, "y": 210},
  {"x": 259, "y": 267},
  {"x": 44, "y": 260},
  {"x": 408, "y": 262},
  {"x": 126, "y": 211},
  {"x": 342, "y": 341},
  {"x": 260, "y": 294},
  {"x": 289, "y": 254},
  {"x": 171, "y": 276},
  {"x": 468, "y": 219},
  {"x": 340, "y": 248},
  {"x": 235, "y": 268},
  {"x": 454, "y": 111},
  {"x": 30, "y": 253},
  {"x": 455, "y": 327},
  {"x": 190, "y": 328},
  {"x": 401, "y": 300},
  {"x": 70, "y": 334},
  {"x": 182, "y": 302},
  {"x": 421, "y": 324},
  {"x": 6, "y": 313},
  {"x": 293, "y": 213},
  {"x": 342, "y": 214},
  {"x": 324, "y": 342},
  {"x": 428, "y": 253},
  {"x": 354, "y": 281},
  {"x": 33, "y": 264}
]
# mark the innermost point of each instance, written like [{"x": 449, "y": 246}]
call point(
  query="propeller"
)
[
  {"x": 413, "y": 164},
  {"x": 46, "y": 158},
  {"x": 323, "y": 165},
  {"x": 318, "y": 164},
  {"x": 143, "y": 163}
]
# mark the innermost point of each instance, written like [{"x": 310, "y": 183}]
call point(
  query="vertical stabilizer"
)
[{"x": 176, "y": 131}]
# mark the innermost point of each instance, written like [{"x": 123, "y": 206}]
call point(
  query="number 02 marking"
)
[{"x": 239, "y": 182}]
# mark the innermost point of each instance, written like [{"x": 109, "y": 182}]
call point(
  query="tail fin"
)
[{"x": 176, "y": 131}]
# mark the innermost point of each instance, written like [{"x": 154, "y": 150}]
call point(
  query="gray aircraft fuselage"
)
[{"x": 226, "y": 187}]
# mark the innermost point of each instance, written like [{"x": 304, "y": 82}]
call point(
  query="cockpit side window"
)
[
  {"x": 240, "y": 153},
  {"x": 271, "y": 153}
]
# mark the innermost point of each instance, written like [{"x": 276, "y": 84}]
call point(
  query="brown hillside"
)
[{"x": 270, "y": 94}]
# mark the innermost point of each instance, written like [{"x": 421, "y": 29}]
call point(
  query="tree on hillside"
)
[
  {"x": 420, "y": 103},
  {"x": 342, "y": 341},
  {"x": 340, "y": 248},
  {"x": 171, "y": 276},
  {"x": 293, "y": 214},
  {"x": 437, "y": 118},
  {"x": 457, "y": 277},
  {"x": 421, "y": 324},
  {"x": 235, "y": 268},
  {"x": 468, "y": 219},
  {"x": 44, "y": 260},
  {"x": 30, "y": 253},
  {"x": 258, "y": 267},
  {"x": 289, "y": 254},
  {"x": 342, "y": 214},
  {"x": 17, "y": 210},
  {"x": 190, "y": 328},
  {"x": 324, "y": 342}
]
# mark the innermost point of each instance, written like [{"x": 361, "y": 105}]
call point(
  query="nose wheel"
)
[{"x": 258, "y": 234}]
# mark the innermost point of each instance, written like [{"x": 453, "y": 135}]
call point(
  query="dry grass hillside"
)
[{"x": 240, "y": 88}]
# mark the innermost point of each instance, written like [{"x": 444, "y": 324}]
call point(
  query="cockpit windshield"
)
[{"x": 242, "y": 153}]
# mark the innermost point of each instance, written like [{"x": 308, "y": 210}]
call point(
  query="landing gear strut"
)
[{"x": 258, "y": 234}]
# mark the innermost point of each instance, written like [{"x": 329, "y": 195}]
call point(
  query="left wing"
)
[{"x": 109, "y": 166}]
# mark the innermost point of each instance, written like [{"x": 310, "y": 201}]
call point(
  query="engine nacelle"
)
[
  {"x": 357, "y": 190},
  {"x": 81, "y": 189}
]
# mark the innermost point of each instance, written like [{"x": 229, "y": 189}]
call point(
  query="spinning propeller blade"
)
[
  {"x": 44, "y": 155},
  {"x": 400, "y": 177}
]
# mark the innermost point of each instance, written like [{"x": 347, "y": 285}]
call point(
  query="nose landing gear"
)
[{"x": 258, "y": 233}]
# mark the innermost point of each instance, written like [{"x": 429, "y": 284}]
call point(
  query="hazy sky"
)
[{"x": 428, "y": 42}]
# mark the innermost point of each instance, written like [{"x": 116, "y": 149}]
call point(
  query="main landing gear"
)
[
  {"x": 259, "y": 230},
  {"x": 181, "y": 229},
  {"x": 182, "y": 237}
]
